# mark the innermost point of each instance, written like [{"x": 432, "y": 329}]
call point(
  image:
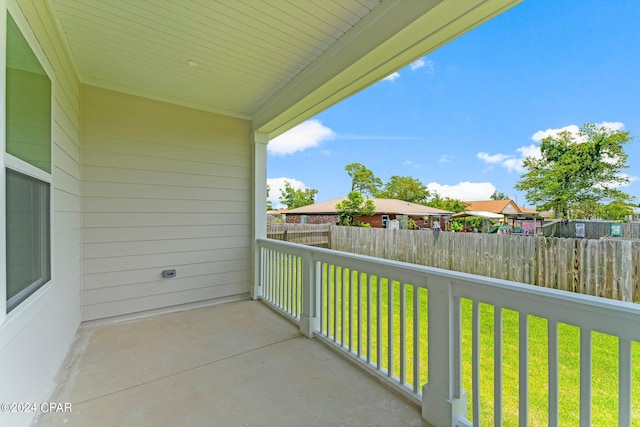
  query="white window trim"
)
[
  {"x": 37, "y": 299},
  {"x": 25, "y": 168}
]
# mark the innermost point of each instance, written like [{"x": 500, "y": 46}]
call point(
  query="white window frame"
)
[{"x": 8, "y": 161}]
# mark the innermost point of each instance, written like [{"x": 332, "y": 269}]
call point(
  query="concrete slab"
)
[{"x": 236, "y": 364}]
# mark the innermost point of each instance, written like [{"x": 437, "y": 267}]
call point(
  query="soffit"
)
[{"x": 246, "y": 50}]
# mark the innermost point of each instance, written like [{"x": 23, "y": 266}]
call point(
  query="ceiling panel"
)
[{"x": 246, "y": 50}]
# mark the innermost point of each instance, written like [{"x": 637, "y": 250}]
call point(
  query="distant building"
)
[
  {"x": 386, "y": 210},
  {"x": 519, "y": 218}
]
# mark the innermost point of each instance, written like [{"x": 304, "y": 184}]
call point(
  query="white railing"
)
[{"x": 415, "y": 325}]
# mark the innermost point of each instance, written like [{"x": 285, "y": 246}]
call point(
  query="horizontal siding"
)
[
  {"x": 173, "y": 246},
  {"x": 128, "y": 234},
  {"x": 151, "y": 302},
  {"x": 120, "y": 285},
  {"x": 165, "y": 187}
]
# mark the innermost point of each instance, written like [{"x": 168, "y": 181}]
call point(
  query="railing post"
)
[
  {"x": 444, "y": 403},
  {"x": 259, "y": 209},
  {"x": 310, "y": 315}
]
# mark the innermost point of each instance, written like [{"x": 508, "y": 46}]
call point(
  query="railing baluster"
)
[
  {"x": 297, "y": 284},
  {"x": 336, "y": 278},
  {"x": 324, "y": 298},
  {"x": 287, "y": 293},
  {"x": 264, "y": 268},
  {"x": 523, "y": 388},
  {"x": 475, "y": 362},
  {"x": 369, "y": 325},
  {"x": 351, "y": 322},
  {"x": 417, "y": 387},
  {"x": 274, "y": 276},
  {"x": 328, "y": 279},
  {"x": 343, "y": 306},
  {"x": 554, "y": 390},
  {"x": 497, "y": 366},
  {"x": 390, "y": 331},
  {"x": 624, "y": 382},
  {"x": 403, "y": 333},
  {"x": 585, "y": 377},
  {"x": 457, "y": 347},
  {"x": 282, "y": 280},
  {"x": 359, "y": 331},
  {"x": 379, "y": 323},
  {"x": 265, "y": 272}
]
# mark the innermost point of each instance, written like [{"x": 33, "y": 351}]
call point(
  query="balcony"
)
[{"x": 419, "y": 335}]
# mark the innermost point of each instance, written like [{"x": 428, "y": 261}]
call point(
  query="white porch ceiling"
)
[{"x": 276, "y": 62}]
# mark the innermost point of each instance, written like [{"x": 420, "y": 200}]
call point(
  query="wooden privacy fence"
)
[
  {"x": 306, "y": 234},
  {"x": 606, "y": 268},
  {"x": 592, "y": 229}
]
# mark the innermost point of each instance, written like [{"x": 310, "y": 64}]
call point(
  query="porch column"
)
[
  {"x": 444, "y": 403},
  {"x": 259, "y": 208}
]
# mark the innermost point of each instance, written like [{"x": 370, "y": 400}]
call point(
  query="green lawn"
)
[{"x": 605, "y": 352}]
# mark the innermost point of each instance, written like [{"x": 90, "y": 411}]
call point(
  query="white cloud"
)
[
  {"x": 541, "y": 134},
  {"x": 464, "y": 190},
  {"x": 276, "y": 186},
  {"x": 511, "y": 162},
  {"x": 618, "y": 184},
  {"x": 530, "y": 151},
  {"x": 492, "y": 158},
  {"x": 427, "y": 64},
  {"x": 392, "y": 77},
  {"x": 417, "y": 64},
  {"x": 412, "y": 164},
  {"x": 574, "y": 129},
  {"x": 306, "y": 135},
  {"x": 445, "y": 158},
  {"x": 612, "y": 125},
  {"x": 629, "y": 177}
]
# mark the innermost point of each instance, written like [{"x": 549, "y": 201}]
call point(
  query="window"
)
[{"x": 28, "y": 170}]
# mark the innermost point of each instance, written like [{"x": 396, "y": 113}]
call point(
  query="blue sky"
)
[{"x": 461, "y": 119}]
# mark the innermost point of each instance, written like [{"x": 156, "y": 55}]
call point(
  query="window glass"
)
[
  {"x": 28, "y": 103},
  {"x": 28, "y": 246}
]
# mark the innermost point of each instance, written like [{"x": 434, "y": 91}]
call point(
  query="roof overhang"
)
[
  {"x": 272, "y": 62},
  {"x": 479, "y": 214}
]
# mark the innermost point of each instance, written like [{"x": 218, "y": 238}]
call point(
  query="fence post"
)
[
  {"x": 309, "y": 316},
  {"x": 444, "y": 403}
]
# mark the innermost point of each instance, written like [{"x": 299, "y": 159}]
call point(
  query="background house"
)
[
  {"x": 518, "y": 218},
  {"x": 386, "y": 210}
]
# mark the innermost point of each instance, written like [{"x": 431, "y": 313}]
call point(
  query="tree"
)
[
  {"x": 617, "y": 210},
  {"x": 362, "y": 179},
  {"x": 269, "y": 203},
  {"x": 446, "y": 204},
  {"x": 498, "y": 195},
  {"x": 576, "y": 169},
  {"x": 353, "y": 207},
  {"x": 405, "y": 188},
  {"x": 293, "y": 198}
]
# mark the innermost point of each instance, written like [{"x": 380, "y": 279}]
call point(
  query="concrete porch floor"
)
[{"x": 233, "y": 364}]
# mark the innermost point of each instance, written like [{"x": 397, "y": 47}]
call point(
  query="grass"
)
[{"x": 342, "y": 285}]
